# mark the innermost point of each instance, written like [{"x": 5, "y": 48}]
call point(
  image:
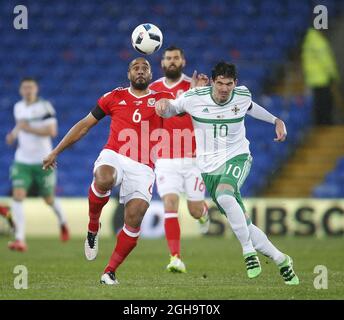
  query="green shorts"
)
[
  {"x": 234, "y": 172},
  {"x": 24, "y": 175}
]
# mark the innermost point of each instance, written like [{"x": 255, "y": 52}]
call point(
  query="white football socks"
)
[
  {"x": 56, "y": 206},
  {"x": 237, "y": 220},
  {"x": 263, "y": 245},
  {"x": 19, "y": 219}
]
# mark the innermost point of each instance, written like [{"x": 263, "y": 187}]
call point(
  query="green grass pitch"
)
[{"x": 215, "y": 271}]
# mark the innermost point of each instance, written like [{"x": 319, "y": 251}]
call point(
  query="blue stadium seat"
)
[
  {"x": 79, "y": 58},
  {"x": 333, "y": 184}
]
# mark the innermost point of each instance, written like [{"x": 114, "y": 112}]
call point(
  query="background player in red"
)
[
  {"x": 121, "y": 162},
  {"x": 176, "y": 169},
  {"x": 5, "y": 211}
]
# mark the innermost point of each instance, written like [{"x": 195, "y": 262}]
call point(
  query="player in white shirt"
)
[
  {"x": 35, "y": 126},
  {"x": 223, "y": 156}
]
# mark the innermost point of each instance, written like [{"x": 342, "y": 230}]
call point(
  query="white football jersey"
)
[
  {"x": 32, "y": 148},
  {"x": 219, "y": 128}
]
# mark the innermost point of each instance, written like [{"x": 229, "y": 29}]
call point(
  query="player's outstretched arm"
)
[
  {"x": 74, "y": 134},
  {"x": 165, "y": 109},
  {"x": 258, "y": 112}
]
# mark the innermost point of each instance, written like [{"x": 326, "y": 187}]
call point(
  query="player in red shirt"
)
[
  {"x": 5, "y": 211},
  {"x": 126, "y": 160},
  {"x": 176, "y": 168}
]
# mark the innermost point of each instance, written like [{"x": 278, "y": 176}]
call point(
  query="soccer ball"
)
[{"x": 146, "y": 38}]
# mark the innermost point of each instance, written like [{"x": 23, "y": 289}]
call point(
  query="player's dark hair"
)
[
  {"x": 224, "y": 69},
  {"x": 173, "y": 48},
  {"x": 32, "y": 79}
]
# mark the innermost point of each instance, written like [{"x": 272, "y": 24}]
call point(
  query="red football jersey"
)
[
  {"x": 179, "y": 147},
  {"x": 133, "y": 119}
]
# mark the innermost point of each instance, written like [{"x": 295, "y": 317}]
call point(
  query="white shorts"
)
[
  {"x": 136, "y": 179},
  {"x": 179, "y": 175}
]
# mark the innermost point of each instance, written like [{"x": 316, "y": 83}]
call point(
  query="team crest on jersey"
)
[
  {"x": 151, "y": 102},
  {"x": 235, "y": 109}
]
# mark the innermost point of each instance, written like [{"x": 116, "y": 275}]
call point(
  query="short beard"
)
[
  {"x": 173, "y": 74},
  {"x": 140, "y": 85}
]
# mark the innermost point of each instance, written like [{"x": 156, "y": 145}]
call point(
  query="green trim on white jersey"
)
[
  {"x": 219, "y": 128},
  {"x": 203, "y": 120},
  {"x": 198, "y": 91},
  {"x": 224, "y": 103},
  {"x": 242, "y": 93}
]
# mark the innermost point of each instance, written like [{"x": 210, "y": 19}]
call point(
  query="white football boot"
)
[
  {"x": 91, "y": 245},
  {"x": 176, "y": 265},
  {"x": 109, "y": 278}
]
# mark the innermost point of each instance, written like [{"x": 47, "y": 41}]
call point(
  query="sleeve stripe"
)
[{"x": 242, "y": 94}]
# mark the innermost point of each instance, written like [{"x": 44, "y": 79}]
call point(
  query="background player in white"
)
[
  {"x": 176, "y": 170},
  {"x": 35, "y": 125},
  {"x": 224, "y": 158}
]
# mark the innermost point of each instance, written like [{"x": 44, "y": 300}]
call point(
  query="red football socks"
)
[
  {"x": 172, "y": 232},
  {"x": 126, "y": 242},
  {"x": 96, "y": 201}
]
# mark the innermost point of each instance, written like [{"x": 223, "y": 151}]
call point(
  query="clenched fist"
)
[
  {"x": 281, "y": 131},
  {"x": 49, "y": 162},
  {"x": 161, "y": 107}
]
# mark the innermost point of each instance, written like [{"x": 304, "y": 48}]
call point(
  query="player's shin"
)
[
  {"x": 237, "y": 221},
  {"x": 56, "y": 206},
  {"x": 96, "y": 201},
  {"x": 172, "y": 232},
  {"x": 126, "y": 242},
  {"x": 18, "y": 215},
  {"x": 263, "y": 245}
]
